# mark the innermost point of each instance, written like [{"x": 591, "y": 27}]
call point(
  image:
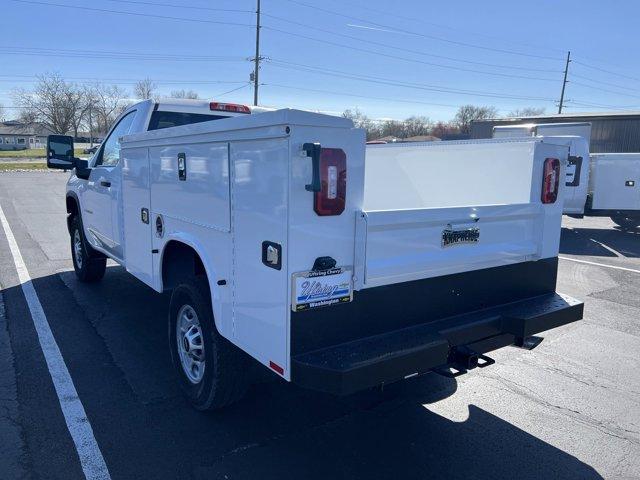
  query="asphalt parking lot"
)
[{"x": 569, "y": 409}]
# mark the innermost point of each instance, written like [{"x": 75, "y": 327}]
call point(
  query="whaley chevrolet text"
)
[{"x": 280, "y": 242}]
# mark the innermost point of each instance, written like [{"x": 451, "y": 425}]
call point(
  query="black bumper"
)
[{"x": 358, "y": 364}]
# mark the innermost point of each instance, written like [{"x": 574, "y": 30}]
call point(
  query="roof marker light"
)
[{"x": 229, "y": 107}]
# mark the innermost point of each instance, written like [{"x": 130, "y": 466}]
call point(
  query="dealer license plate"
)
[{"x": 321, "y": 288}]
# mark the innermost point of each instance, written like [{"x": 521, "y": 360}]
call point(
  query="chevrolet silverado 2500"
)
[{"x": 280, "y": 242}]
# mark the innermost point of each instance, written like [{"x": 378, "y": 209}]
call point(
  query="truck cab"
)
[{"x": 97, "y": 188}]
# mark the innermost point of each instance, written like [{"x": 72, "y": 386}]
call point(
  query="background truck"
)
[
  {"x": 604, "y": 184},
  {"x": 280, "y": 243}
]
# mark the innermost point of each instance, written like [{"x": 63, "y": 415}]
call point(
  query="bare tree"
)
[
  {"x": 393, "y": 128},
  {"x": 442, "y": 129},
  {"x": 145, "y": 89},
  {"x": 57, "y": 104},
  {"x": 2, "y": 114},
  {"x": 184, "y": 94},
  {"x": 410, "y": 127},
  {"x": 360, "y": 120},
  {"x": 469, "y": 113},
  {"x": 527, "y": 112},
  {"x": 106, "y": 103},
  {"x": 416, "y": 126},
  {"x": 27, "y": 116}
]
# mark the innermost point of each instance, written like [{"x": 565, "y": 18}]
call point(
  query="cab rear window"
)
[{"x": 175, "y": 119}]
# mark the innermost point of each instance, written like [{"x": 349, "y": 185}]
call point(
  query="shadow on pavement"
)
[
  {"x": 113, "y": 338},
  {"x": 407, "y": 442},
  {"x": 600, "y": 242}
]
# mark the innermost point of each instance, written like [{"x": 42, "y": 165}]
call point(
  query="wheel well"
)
[
  {"x": 179, "y": 262},
  {"x": 72, "y": 210}
]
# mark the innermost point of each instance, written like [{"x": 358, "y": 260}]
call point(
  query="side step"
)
[{"x": 354, "y": 366}]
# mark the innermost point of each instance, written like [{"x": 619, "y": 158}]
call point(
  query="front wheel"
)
[
  {"x": 626, "y": 222},
  {"x": 89, "y": 267},
  {"x": 212, "y": 371}
]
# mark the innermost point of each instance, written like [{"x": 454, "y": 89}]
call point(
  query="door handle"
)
[{"x": 105, "y": 183}]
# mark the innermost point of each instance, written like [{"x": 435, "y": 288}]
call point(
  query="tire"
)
[
  {"x": 222, "y": 377},
  {"x": 625, "y": 222},
  {"x": 88, "y": 264}
]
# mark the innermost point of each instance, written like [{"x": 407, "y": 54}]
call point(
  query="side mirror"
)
[
  {"x": 60, "y": 152},
  {"x": 82, "y": 169}
]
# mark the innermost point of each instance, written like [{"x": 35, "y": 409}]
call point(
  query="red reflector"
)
[
  {"x": 333, "y": 181},
  {"x": 229, "y": 107},
  {"x": 550, "y": 180},
  {"x": 276, "y": 367}
]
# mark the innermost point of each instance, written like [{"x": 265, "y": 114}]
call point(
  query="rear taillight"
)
[
  {"x": 333, "y": 182},
  {"x": 229, "y": 107},
  {"x": 550, "y": 180}
]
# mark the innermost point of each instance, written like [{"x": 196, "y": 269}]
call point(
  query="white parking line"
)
[
  {"x": 91, "y": 460},
  {"x": 615, "y": 267}
]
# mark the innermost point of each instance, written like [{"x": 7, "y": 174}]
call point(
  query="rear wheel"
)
[
  {"x": 213, "y": 372},
  {"x": 626, "y": 222},
  {"x": 88, "y": 264}
]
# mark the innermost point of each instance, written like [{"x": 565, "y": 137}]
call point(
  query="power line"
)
[
  {"x": 247, "y": 84},
  {"x": 598, "y": 105},
  {"x": 182, "y": 7},
  {"x": 607, "y": 71},
  {"x": 120, "y": 12},
  {"x": 120, "y": 52},
  {"x": 601, "y": 82},
  {"x": 406, "y": 59},
  {"x": 392, "y": 14},
  {"x": 93, "y": 81},
  {"x": 417, "y": 52},
  {"x": 573, "y": 82},
  {"x": 353, "y": 95},
  {"x": 121, "y": 56},
  {"x": 397, "y": 83},
  {"x": 410, "y": 32}
]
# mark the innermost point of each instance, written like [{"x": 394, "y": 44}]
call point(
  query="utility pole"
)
[
  {"x": 256, "y": 67},
  {"x": 90, "y": 128},
  {"x": 564, "y": 82}
]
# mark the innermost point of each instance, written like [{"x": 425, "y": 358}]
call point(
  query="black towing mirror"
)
[
  {"x": 60, "y": 155},
  {"x": 60, "y": 152}
]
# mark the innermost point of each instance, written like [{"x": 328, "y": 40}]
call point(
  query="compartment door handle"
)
[{"x": 313, "y": 150}]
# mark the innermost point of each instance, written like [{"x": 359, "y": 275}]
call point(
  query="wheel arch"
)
[
  {"x": 180, "y": 260},
  {"x": 182, "y": 257},
  {"x": 73, "y": 208}
]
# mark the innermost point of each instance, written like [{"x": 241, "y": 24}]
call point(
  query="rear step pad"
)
[{"x": 363, "y": 363}]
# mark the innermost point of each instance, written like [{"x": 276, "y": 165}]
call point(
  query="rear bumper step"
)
[{"x": 367, "y": 362}]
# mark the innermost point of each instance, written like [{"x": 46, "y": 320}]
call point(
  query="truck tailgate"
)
[
  {"x": 442, "y": 209},
  {"x": 403, "y": 245}
]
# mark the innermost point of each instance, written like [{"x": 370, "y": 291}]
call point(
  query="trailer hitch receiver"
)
[{"x": 462, "y": 359}]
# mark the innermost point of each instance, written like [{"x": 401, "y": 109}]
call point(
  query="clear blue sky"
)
[{"x": 393, "y": 44}]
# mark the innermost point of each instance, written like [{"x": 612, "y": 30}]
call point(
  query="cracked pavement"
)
[{"x": 568, "y": 409}]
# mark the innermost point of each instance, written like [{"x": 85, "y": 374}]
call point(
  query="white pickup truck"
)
[
  {"x": 279, "y": 242},
  {"x": 599, "y": 184}
]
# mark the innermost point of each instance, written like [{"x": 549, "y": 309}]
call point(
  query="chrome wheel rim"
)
[
  {"x": 190, "y": 340},
  {"x": 77, "y": 248}
]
